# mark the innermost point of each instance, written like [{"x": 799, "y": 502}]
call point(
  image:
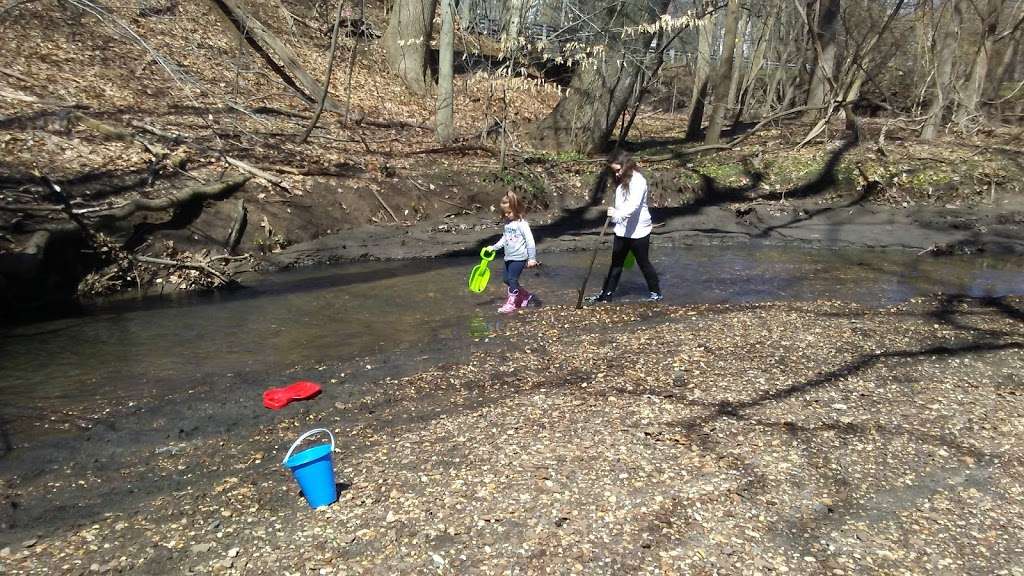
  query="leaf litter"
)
[{"x": 793, "y": 438}]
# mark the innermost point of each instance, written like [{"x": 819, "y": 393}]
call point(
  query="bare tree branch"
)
[{"x": 327, "y": 75}]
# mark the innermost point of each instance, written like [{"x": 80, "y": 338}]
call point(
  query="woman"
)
[{"x": 632, "y": 222}]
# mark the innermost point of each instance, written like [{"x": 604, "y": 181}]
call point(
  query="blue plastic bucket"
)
[{"x": 314, "y": 470}]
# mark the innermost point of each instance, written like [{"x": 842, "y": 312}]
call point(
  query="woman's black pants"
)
[{"x": 640, "y": 248}]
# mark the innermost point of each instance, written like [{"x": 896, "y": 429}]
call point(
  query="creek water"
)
[{"x": 115, "y": 352}]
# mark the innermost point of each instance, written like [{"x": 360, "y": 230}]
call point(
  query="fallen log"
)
[
  {"x": 193, "y": 194},
  {"x": 285, "y": 63},
  {"x": 171, "y": 201}
]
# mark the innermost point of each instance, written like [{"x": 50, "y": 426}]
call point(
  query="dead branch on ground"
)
[
  {"x": 385, "y": 205},
  {"x": 202, "y": 266},
  {"x": 262, "y": 174},
  {"x": 457, "y": 148},
  {"x": 272, "y": 50},
  {"x": 168, "y": 202}
]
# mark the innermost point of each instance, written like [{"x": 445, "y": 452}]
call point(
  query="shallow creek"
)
[{"x": 121, "y": 351}]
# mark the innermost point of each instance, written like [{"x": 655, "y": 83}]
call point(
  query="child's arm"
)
[
  {"x": 531, "y": 246},
  {"x": 499, "y": 244}
]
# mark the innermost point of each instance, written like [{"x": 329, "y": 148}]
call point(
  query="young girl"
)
[{"x": 520, "y": 252}]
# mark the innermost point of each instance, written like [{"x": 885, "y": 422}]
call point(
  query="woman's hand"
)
[
  {"x": 532, "y": 263},
  {"x": 611, "y": 212}
]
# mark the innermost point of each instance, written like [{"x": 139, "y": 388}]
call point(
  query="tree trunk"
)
[
  {"x": 723, "y": 76},
  {"x": 756, "y": 63},
  {"x": 945, "y": 48},
  {"x": 407, "y": 42},
  {"x": 512, "y": 15},
  {"x": 780, "y": 78},
  {"x": 852, "y": 93},
  {"x": 847, "y": 86},
  {"x": 647, "y": 77},
  {"x": 600, "y": 90},
  {"x": 445, "y": 84},
  {"x": 737, "y": 67},
  {"x": 1011, "y": 54},
  {"x": 773, "y": 87},
  {"x": 824, "y": 38},
  {"x": 971, "y": 91},
  {"x": 701, "y": 73},
  {"x": 923, "y": 21},
  {"x": 789, "y": 93},
  {"x": 466, "y": 15}
]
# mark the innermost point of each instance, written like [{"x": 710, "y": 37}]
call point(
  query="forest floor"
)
[{"x": 819, "y": 438}]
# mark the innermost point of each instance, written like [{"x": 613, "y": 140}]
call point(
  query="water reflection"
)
[{"x": 479, "y": 327}]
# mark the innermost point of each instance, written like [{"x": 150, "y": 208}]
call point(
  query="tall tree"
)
[
  {"x": 824, "y": 29},
  {"x": 513, "y": 14},
  {"x": 466, "y": 14},
  {"x": 968, "y": 107},
  {"x": 737, "y": 67},
  {"x": 1011, "y": 54},
  {"x": 445, "y": 76},
  {"x": 854, "y": 70},
  {"x": 756, "y": 62},
  {"x": 407, "y": 42},
  {"x": 782, "y": 78},
  {"x": 603, "y": 85},
  {"x": 944, "y": 47},
  {"x": 701, "y": 69},
  {"x": 723, "y": 75}
]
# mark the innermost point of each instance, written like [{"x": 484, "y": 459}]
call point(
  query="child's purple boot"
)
[
  {"x": 510, "y": 305},
  {"x": 523, "y": 298}
]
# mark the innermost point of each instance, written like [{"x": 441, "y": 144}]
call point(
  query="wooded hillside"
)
[{"x": 148, "y": 141}]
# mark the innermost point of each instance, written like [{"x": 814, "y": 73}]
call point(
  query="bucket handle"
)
[{"x": 303, "y": 437}]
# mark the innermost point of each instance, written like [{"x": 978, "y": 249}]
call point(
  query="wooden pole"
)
[{"x": 593, "y": 258}]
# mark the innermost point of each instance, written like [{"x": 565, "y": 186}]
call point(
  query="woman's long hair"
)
[{"x": 624, "y": 159}]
